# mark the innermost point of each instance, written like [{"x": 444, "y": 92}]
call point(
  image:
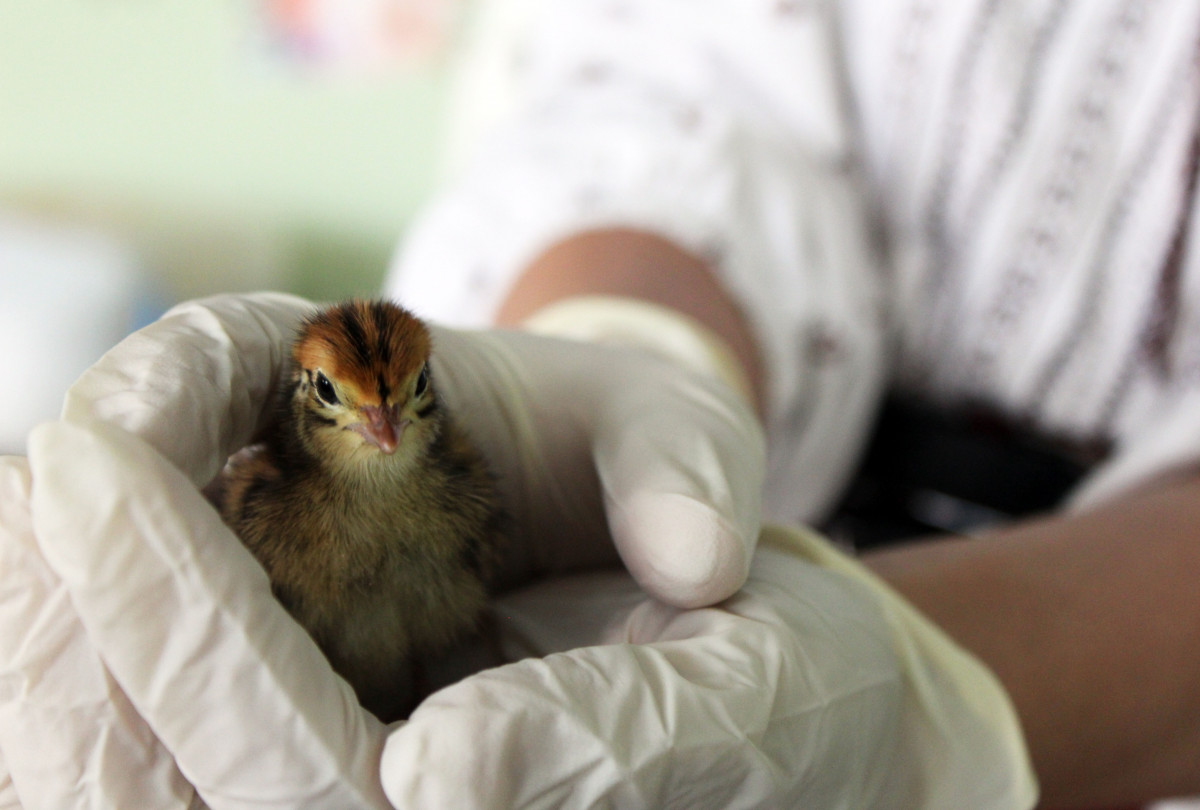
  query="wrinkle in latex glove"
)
[
  {"x": 184, "y": 619},
  {"x": 696, "y": 709},
  {"x": 812, "y": 687},
  {"x": 68, "y": 733},
  {"x": 210, "y": 365}
]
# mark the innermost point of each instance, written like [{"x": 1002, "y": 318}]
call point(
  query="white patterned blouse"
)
[{"x": 980, "y": 202}]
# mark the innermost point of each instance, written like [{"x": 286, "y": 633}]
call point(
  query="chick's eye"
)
[
  {"x": 422, "y": 382},
  {"x": 325, "y": 390}
]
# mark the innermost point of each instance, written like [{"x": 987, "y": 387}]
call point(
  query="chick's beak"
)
[{"x": 381, "y": 427}]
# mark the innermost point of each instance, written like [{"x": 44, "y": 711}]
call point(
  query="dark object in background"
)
[{"x": 927, "y": 472}]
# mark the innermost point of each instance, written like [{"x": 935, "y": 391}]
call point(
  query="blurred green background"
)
[{"x": 169, "y": 126}]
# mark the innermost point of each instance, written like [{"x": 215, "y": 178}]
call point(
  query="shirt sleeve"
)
[{"x": 720, "y": 125}]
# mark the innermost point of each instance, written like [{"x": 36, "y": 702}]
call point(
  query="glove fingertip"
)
[{"x": 681, "y": 550}]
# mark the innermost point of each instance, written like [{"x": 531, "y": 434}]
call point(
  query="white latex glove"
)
[
  {"x": 814, "y": 687},
  {"x": 603, "y": 445},
  {"x": 171, "y": 660}
]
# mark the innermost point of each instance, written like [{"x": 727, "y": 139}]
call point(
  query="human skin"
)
[{"x": 1091, "y": 619}]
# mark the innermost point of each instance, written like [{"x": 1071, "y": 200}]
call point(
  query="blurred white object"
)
[
  {"x": 362, "y": 38},
  {"x": 68, "y": 295},
  {"x": 486, "y": 86}
]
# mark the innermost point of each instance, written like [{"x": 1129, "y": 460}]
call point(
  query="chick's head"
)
[{"x": 363, "y": 391}]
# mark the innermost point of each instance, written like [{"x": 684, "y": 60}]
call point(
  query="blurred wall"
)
[
  {"x": 158, "y": 150},
  {"x": 169, "y": 125}
]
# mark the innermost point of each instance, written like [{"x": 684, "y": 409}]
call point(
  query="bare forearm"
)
[
  {"x": 1092, "y": 622},
  {"x": 639, "y": 265}
]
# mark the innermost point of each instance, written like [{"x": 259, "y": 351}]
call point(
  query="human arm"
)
[
  {"x": 1069, "y": 610},
  {"x": 1089, "y": 617},
  {"x": 1091, "y": 620},
  {"x": 645, "y": 267}
]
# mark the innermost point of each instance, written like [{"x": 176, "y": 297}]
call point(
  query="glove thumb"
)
[
  {"x": 682, "y": 469},
  {"x": 682, "y": 478}
]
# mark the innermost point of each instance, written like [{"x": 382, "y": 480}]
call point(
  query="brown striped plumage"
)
[{"x": 375, "y": 518}]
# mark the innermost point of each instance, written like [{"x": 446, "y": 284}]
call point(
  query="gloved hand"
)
[
  {"x": 143, "y": 659},
  {"x": 608, "y": 446},
  {"x": 814, "y": 687}
]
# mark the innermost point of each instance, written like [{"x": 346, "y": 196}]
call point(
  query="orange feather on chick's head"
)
[{"x": 362, "y": 367}]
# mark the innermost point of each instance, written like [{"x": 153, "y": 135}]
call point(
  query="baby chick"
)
[{"x": 374, "y": 517}]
